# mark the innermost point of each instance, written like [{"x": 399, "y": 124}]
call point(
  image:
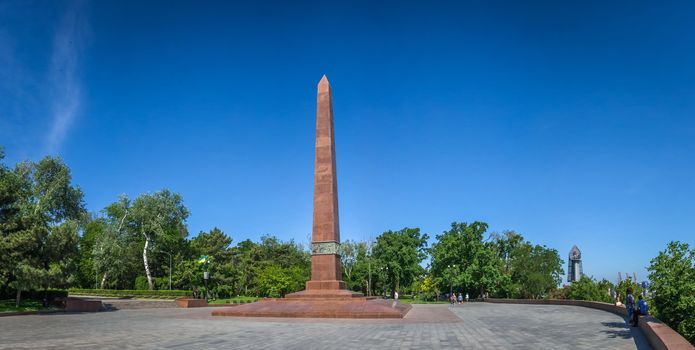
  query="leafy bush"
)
[
  {"x": 622, "y": 287},
  {"x": 559, "y": 293},
  {"x": 49, "y": 294},
  {"x": 160, "y": 283},
  {"x": 428, "y": 289},
  {"x": 8, "y": 305},
  {"x": 275, "y": 281},
  {"x": 588, "y": 289},
  {"x": 672, "y": 276},
  {"x": 141, "y": 283},
  {"x": 223, "y": 291}
]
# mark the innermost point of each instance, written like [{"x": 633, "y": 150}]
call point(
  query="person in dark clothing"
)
[
  {"x": 641, "y": 309},
  {"x": 630, "y": 305}
]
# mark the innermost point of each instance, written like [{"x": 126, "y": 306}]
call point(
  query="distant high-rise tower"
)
[{"x": 574, "y": 265}]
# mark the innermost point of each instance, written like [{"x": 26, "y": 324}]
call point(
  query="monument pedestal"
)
[
  {"x": 325, "y": 285},
  {"x": 319, "y": 307},
  {"x": 326, "y": 295},
  {"x": 317, "y": 301}
]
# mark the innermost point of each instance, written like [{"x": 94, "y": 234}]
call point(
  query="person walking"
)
[
  {"x": 460, "y": 298},
  {"x": 630, "y": 304}
]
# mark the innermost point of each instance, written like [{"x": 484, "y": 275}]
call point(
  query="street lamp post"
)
[
  {"x": 369, "y": 283},
  {"x": 386, "y": 276},
  {"x": 451, "y": 279},
  {"x": 369, "y": 267},
  {"x": 206, "y": 275},
  {"x": 170, "y": 271}
]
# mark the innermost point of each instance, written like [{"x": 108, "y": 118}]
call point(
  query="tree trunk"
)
[
  {"x": 103, "y": 281},
  {"x": 147, "y": 266},
  {"x": 19, "y": 297}
]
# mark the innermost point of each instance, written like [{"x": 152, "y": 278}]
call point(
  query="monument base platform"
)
[
  {"x": 332, "y": 294},
  {"x": 316, "y": 307}
]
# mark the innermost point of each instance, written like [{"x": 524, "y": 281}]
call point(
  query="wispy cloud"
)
[{"x": 64, "y": 81}]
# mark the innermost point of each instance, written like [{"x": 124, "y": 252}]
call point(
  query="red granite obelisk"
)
[
  {"x": 326, "y": 273},
  {"x": 326, "y": 294}
]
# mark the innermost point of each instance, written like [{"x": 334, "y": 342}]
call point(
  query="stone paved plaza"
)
[{"x": 470, "y": 326}]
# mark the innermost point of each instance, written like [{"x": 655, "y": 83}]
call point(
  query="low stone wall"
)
[
  {"x": 659, "y": 335},
  {"x": 81, "y": 305},
  {"x": 129, "y": 304},
  {"x": 188, "y": 302}
]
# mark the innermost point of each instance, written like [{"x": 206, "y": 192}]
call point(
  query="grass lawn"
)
[
  {"x": 231, "y": 300},
  {"x": 8, "y": 305}
]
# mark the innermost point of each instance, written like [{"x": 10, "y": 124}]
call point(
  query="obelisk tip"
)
[{"x": 323, "y": 84}]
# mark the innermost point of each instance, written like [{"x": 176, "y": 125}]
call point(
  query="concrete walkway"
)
[{"x": 470, "y": 326}]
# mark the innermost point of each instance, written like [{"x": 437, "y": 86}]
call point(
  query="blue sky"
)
[{"x": 571, "y": 123}]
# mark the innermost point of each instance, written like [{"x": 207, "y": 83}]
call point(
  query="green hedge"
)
[
  {"x": 49, "y": 294},
  {"x": 36, "y": 294},
  {"x": 166, "y": 294}
]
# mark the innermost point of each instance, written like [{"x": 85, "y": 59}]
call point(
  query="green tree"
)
[
  {"x": 86, "y": 277},
  {"x": 506, "y": 243},
  {"x": 40, "y": 211},
  {"x": 244, "y": 253},
  {"x": 672, "y": 276},
  {"x": 272, "y": 281},
  {"x": 215, "y": 244},
  {"x": 12, "y": 190},
  {"x": 116, "y": 246},
  {"x": 114, "y": 255},
  {"x": 622, "y": 287},
  {"x": 460, "y": 259},
  {"x": 254, "y": 266},
  {"x": 428, "y": 288},
  {"x": 351, "y": 255},
  {"x": 289, "y": 256},
  {"x": 400, "y": 253},
  {"x": 359, "y": 266},
  {"x": 529, "y": 271},
  {"x": 535, "y": 269},
  {"x": 158, "y": 218},
  {"x": 586, "y": 288},
  {"x": 187, "y": 274}
]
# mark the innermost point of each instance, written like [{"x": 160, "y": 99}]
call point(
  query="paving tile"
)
[{"x": 468, "y": 326}]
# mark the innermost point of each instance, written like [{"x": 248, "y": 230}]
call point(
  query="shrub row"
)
[
  {"x": 169, "y": 294},
  {"x": 35, "y": 294}
]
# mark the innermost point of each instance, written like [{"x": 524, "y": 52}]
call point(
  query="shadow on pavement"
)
[{"x": 624, "y": 331}]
